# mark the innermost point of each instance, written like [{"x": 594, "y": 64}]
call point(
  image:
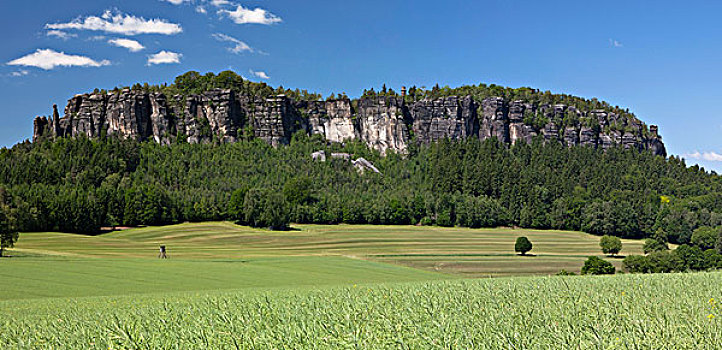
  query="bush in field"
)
[
  {"x": 636, "y": 264},
  {"x": 610, "y": 245},
  {"x": 665, "y": 261},
  {"x": 654, "y": 245},
  {"x": 523, "y": 245},
  {"x": 597, "y": 266},
  {"x": 705, "y": 237},
  {"x": 692, "y": 257}
]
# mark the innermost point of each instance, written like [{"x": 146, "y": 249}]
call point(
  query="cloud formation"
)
[
  {"x": 48, "y": 59},
  {"x": 120, "y": 24},
  {"x": 219, "y": 3},
  {"x": 60, "y": 34},
  {"x": 615, "y": 43},
  {"x": 129, "y": 44},
  {"x": 708, "y": 156},
  {"x": 20, "y": 73},
  {"x": 242, "y": 15},
  {"x": 176, "y": 2},
  {"x": 259, "y": 74},
  {"x": 239, "y": 46},
  {"x": 164, "y": 57}
]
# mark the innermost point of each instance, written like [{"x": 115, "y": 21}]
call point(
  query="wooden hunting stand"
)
[{"x": 162, "y": 254}]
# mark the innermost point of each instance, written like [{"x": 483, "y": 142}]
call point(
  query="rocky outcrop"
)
[
  {"x": 450, "y": 117},
  {"x": 332, "y": 119},
  {"x": 383, "y": 123}
]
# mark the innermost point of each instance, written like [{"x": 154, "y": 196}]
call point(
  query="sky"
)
[{"x": 661, "y": 59}]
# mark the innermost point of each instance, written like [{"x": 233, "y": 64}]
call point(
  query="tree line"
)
[{"x": 81, "y": 185}]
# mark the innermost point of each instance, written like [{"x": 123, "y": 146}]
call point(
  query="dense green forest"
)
[{"x": 80, "y": 185}]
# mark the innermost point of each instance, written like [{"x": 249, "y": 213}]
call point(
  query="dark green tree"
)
[
  {"x": 610, "y": 245},
  {"x": 705, "y": 237},
  {"x": 691, "y": 256},
  {"x": 298, "y": 190},
  {"x": 522, "y": 245},
  {"x": 266, "y": 208},
  {"x": 8, "y": 234},
  {"x": 236, "y": 210},
  {"x": 654, "y": 245},
  {"x": 636, "y": 264}
]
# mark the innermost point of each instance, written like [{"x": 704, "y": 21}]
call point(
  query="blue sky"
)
[{"x": 661, "y": 59}]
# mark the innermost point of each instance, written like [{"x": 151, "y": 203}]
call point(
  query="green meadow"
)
[{"x": 329, "y": 287}]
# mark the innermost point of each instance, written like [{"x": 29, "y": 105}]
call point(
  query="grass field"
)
[
  {"x": 459, "y": 251},
  {"x": 678, "y": 311},
  {"x": 77, "y": 277},
  {"x": 331, "y": 287}
]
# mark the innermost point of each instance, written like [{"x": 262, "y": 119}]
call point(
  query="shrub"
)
[
  {"x": 664, "y": 261},
  {"x": 654, "y": 245},
  {"x": 597, "y": 266},
  {"x": 712, "y": 259},
  {"x": 705, "y": 237},
  {"x": 636, "y": 264},
  {"x": 692, "y": 257},
  {"x": 444, "y": 219}
]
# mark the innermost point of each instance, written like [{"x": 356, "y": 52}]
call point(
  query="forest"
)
[{"x": 83, "y": 185}]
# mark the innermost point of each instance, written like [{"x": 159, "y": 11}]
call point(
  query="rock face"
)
[{"x": 384, "y": 123}]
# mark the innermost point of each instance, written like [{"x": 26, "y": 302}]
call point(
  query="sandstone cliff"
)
[{"x": 384, "y": 123}]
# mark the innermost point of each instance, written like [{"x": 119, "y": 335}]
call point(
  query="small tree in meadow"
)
[
  {"x": 610, "y": 245},
  {"x": 523, "y": 245}
]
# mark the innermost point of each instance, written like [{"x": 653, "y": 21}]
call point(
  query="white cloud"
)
[
  {"x": 219, "y": 3},
  {"x": 60, "y": 34},
  {"x": 239, "y": 46},
  {"x": 708, "y": 156},
  {"x": 176, "y": 2},
  {"x": 49, "y": 59},
  {"x": 120, "y": 24},
  {"x": 242, "y": 15},
  {"x": 615, "y": 43},
  {"x": 259, "y": 74},
  {"x": 201, "y": 9},
  {"x": 129, "y": 44},
  {"x": 20, "y": 73},
  {"x": 164, "y": 57}
]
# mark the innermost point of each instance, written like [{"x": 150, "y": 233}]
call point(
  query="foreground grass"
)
[
  {"x": 460, "y": 251},
  {"x": 618, "y": 312},
  {"x": 38, "y": 277}
]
